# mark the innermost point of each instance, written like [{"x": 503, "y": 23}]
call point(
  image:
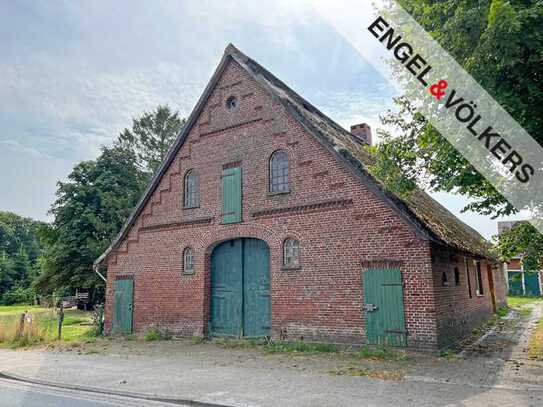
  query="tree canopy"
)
[
  {"x": 499, "y": 43},
  {"x": 20, "y": 249},
  {"x": 98, "y": 197}
]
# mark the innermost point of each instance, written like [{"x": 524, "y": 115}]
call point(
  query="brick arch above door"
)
[{"x": 209, "y": 240}]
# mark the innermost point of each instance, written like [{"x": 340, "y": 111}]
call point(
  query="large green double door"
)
[{"x": 240, "y": 289}]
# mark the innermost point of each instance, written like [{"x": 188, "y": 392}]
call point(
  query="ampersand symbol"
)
[{"x": 438, "y": 89}]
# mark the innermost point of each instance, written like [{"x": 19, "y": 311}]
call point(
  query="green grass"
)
[
  {"x": 523, "y": 305},
  {"x": 10, "y": 310},
  {"x": 516, "y": 301},
  {"x": 44, "y": 328}
]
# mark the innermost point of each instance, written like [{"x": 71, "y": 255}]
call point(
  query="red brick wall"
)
[
  {"x": 457, "y": 313},
  {"x": 321, "y": 301}
]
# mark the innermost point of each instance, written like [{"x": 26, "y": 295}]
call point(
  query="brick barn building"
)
[{"x": 263, "y": 221}]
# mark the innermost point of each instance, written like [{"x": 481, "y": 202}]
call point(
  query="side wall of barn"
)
[{"x": 460, "y": 307}]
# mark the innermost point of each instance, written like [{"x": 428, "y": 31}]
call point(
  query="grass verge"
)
[{"x": 41, "y": 326}]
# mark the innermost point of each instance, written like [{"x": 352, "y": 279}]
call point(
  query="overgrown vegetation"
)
[
  {"x": 271, "y": 347},
  {"x": 40, "y": 326},
  {"x": 156, "y": 334}
]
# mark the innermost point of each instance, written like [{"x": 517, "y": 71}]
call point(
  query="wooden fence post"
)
[
  {"x": 21, "y": 327},
  {"x": 60, "y": 318}
]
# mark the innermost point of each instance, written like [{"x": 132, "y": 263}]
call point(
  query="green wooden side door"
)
[
  {"x": 384, "y": 308},
  {"x": 231, "y": 195},
  {"x": 240, "y": 289},
  {"x": 122, "y": 306},
  {"x": 256, "y": 288}
]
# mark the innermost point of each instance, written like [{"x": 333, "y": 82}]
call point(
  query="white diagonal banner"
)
[{"x": 450, "y": 99}]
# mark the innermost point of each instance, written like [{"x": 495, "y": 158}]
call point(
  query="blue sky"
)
[{"x": 73, "y": 74}]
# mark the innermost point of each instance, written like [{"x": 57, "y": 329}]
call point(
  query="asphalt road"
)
[{"x": 18, "y": 394}]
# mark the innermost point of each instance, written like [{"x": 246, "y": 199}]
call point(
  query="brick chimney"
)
[{"x": 362, "y": 132}]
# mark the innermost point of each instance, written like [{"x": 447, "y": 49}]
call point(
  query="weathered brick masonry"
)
[{"x": 343, "y": 228}]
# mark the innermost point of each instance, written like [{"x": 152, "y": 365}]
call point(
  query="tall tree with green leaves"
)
[
  {"x": 151, "y": 136},
  {"x": 89, "y": 211},
  {"x": 98, "y": 197},
  {"x": 20, "y": 248},
  {"x": 500, "y": 44}
]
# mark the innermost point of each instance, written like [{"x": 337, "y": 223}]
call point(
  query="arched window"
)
[
  {"x": 279, "y": 172},
  {"x": 291, "y": 253},
  {"x": 191, "y": 198},
  {"x": 188, "y": 261}
]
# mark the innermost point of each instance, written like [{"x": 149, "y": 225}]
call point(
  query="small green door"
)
[
  {"x": 122, "y": 312},
  {"x": 240, "y": 289},
  {"x": 384, "y": 308}
]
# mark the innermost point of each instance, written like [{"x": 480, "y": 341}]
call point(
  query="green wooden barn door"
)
[
  {"x": 256, "y": 288},
  {"x": 240, "y": 289},
  {"x": 227, "y": 289},
  {"x": 122, "y": 311},
  {"x": 384, "y": 308}
]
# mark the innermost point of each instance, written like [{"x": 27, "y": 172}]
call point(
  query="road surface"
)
[{"x": 19, "y": 394}]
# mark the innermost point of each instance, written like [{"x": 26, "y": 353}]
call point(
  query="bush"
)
[
  {"x": 502, "y": 311},
  {"x": 18, "y": 295},
  {"x": 155, "y": 334}
]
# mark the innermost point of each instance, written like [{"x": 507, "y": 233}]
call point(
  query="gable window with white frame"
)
[
  {"x": 478, "y": 279},
  {"x": 291, "y": 254},
  {"x": 279, "y": 172},
  {"x": 191, "y": 198},
  {"x": 188, "y": 261}
]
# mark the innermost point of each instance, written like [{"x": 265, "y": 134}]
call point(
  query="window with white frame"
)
[{"x": 291, "y": 253}]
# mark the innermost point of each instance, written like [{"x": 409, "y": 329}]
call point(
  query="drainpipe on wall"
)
[{"x": 97, "y": 272}]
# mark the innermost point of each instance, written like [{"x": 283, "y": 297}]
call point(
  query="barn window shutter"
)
[{"x": 231, "y": 195}]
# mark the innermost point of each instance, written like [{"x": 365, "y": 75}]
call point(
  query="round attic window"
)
[{"x": 231, "y": 102}]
